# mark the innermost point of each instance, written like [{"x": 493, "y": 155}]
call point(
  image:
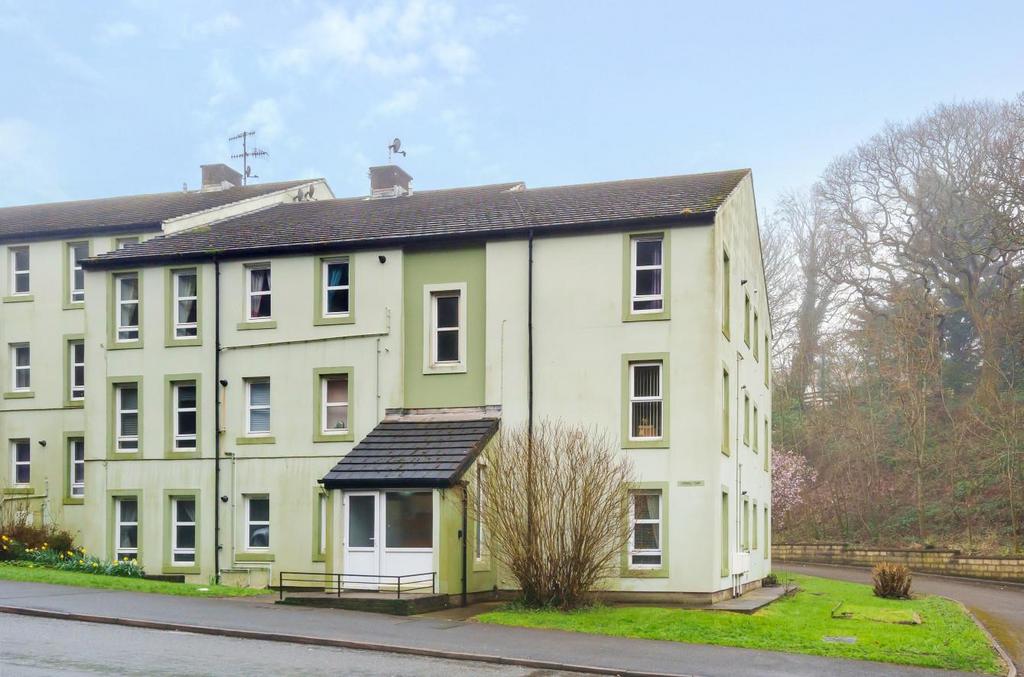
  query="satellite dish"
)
[{"x": 395, "y": 148}]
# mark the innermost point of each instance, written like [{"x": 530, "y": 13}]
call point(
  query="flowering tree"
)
[{"x": 791, "y": 473}]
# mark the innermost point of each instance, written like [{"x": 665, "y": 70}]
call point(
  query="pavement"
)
[
  {"x": 999, "y": 606},
  {"x": 256, "y": 618}
]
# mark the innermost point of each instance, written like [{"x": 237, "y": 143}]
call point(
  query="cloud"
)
[
  {"x": 220, "y": 76},
  {"x": 264, "y": 117},
  {"x": 117, "y": 30},
  {"x": 387, "y": 40},
  {"x": 219, "y": 24},
  {"x": 28, "y": 164}
]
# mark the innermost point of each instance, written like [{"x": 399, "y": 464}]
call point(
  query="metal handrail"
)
[{"x": 413, "y": 582}]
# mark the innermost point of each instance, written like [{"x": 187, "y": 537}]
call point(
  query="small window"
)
[
  {"x": 446, "y": 326},
  {"x": 767, "y": 525},
  {"x": 767, "y": 361},
  {"x": 756, "y": 334},
  {"x": 76, "y": 369},
  {"x": 126, "y": 528},
  {"x": 334, "y": 400},
  {"x": 767, "y": 444},
  {"x": 21, "y": 367},
  {"x": 746, "y": 419},
  {"x": 77, "y": 252},
  {"x": 257, "y": 407},
  {"x": 746, "y": 319},
  {"x": 21, "y": 462},
  {"x": 645, "y": 400},
  {"x": 20, "y": 276},
  {"x": 186, "y": 304},
  {"x": 645, "y": 539},
  {"x": 726, "y": 292},
  {"x": 184, "y": 395},
  {"x": 127, "y": 402},
  {"x": 753, "y": 527},
  {"x": 76, "y": 467},
  {"x": 409, "y": 522},
  {"x": 122, "y": 242},
  {"x": 745, "y": 535},
  {"x": 321, "y": 502},
  {"x": 726, "y": 423},
  {"x": 183, "y": 531},
  {"x": 753, "y": 430},
  {"x": 479, "y": 498},
  {"x": 259, "y": 292},
  {"x": 647, "y": 294},
  {"x": 257, "y": 522},
  {"x": 336, "y": 288},
  {"x": 127, "y": 286}
]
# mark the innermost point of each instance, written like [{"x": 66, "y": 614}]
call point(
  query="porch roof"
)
[{"x": 413, "y": 452}]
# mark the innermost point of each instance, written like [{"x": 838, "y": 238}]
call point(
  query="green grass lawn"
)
[
  {"x": 946, "y": 637},
  {"x": 38, "y": 574}
]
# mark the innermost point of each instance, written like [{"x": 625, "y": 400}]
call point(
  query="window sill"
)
[
  {"x": 646, "y": 444},
  {"x": 482, "y": 564},
  {"x": 190, "y": 453},
  {"x": 333, "y": 437},
  {"x": 335, "y": 319},
  {"x": 19, "y": 395},
  {"x": 257, "y": 324},
  {"x": 115, "y": 455},
  {"x": 254, "y": 557},
  {"x": 125, "y": 345},
  {"x": 74, "y": 404},
  {"x": 262, "y": 439},
  {"x": 19, "y": 298},
  {"x": 180, "y": 569},
  {"x": 459, "y": 368},
  {"x": 77, "y": 500},
  {"x": 18, "y": 491},
  {"x": 74, "y": 305},
  {"x": 653, "y": 572},
  {"x": 646, "y": 317},
  {"x": 178, "y": 342}
]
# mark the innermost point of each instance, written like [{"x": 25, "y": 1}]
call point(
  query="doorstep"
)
[
  {"x": 750, "y": 601},
  {"x": 379, "y": 602}
]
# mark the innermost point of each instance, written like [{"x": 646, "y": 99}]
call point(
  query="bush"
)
[
  {"x": 556, "y": 510},
  {"x": 770, "y": 581},
  {"x": 891, "y": 581}
]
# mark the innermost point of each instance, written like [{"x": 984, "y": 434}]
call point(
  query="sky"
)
[{"x": 115, "y": 98}]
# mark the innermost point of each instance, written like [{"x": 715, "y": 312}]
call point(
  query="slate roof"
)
[
  {"x": 129, "y": 212},
  {"x": 417, "y": 454},
  {"x": 430, "y": 215}
]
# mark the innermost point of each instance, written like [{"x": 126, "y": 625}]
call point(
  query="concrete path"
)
[
  {"x": 1000, "y": 606},
  {"x": 542, "y": 649}
]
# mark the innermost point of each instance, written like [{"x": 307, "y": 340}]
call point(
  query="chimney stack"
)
[
  {"x": 219, "y": 176},
  {"x": 389, "y": 181}
]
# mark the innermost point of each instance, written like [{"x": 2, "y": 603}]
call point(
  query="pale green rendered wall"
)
[{"x": 465, "y": 265}]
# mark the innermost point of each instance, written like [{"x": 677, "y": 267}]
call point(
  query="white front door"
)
[
  {"x": 362, "y": 554},
  {"x": 388, "y": 534}
]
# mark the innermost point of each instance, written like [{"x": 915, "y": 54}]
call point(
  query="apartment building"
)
[{"x": 307, "y": 387}]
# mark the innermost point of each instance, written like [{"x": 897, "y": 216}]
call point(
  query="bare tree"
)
[{"x": 556, "y": 510}]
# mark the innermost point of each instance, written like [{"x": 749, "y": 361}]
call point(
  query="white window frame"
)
[
  {"x": 75, "y": 294},
  {"x": 15, "y": 368},
  {"x": 249, "y": 522},
  {"x": 249, "y": 293},
  {"x": 119, "y": 411},
  {"x": 249, "y": 408},
  {"x": 16, "y": 272},
  {"x": 119, "y": 552},
  {"x": 635, "y": 271},
  {"x": 176, "y": 409},
  {"x": 123, "y": 331},
  {"x": 15, "y": 463},
  {"x": 660, "y": 398},
  {"x": 633, "y": 521},
  {"x": 430, "y": 294},
  {"x": 179, "y": 327},
  {"x": 175, "y": 548},
  {"x": 76, "y": 444},
  {"x": 122, "y": 242},
  {"x": 324, "y": 405},
  {"x": 328, "y": 287},
  {"x": 76, "y": 390}
]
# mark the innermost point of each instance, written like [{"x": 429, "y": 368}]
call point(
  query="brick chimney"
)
[
  {"x": 389, "y": 181},
  {"x": 219, "y": 176}
]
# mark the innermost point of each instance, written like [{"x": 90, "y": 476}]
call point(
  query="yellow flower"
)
[
  {"x": 81, "y": 561},
  {"x": 45, "y": 545},
  {"x": 4, "y": 537},
  {"x": 135, "y": 561},
  {"x": 95, "y": 564}
]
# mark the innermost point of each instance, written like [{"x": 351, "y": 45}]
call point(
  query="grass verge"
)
[
  {"x": 945, "y": 638},
  {"x": 38, "y": 574}
]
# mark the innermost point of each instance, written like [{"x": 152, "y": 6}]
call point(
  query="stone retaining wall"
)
[{"x": 947, "y": 562}]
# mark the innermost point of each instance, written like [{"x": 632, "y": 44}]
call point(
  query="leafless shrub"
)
[{"x": 556, "y": 510}]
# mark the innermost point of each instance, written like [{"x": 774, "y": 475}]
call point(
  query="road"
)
[
  {"x": 40, "y": 646},
  {"x": 1000, "y": 606}
]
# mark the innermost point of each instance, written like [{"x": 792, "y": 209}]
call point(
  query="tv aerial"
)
[
  {"x": 395, "y": 148},
  {"x": 246, "y": 154}
]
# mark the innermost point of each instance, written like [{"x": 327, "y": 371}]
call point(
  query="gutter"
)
[
  {"x": 465, "y": 541},
  {"x": 216, "y": 421}
]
